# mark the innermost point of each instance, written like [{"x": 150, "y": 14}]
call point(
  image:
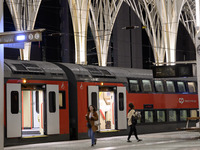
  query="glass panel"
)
[
  {"x": 14, "y": 102},
  {"x": 94, "y": 99},
  {"x": 172, "y": 116},
  {"x": 191, "y": 87},
  {"x": 148, "y": 116},
  {"x": 37, "y": 101},
  {"x": 134, "y": 86},
  {"x": 121, "y": 101},
  {"x": 170, "y": 86},
  {"x": 159, "y": 86},
  {"x": 52, "y": 102},
  {"x": 193, "y": 113},
  {"x": 181, "y": 87},
  {"x": 139, "y": 120},
  {"x": 161, "y": 116},
  {"x": 62, "y": 100},
  {"x": 183, "y": 115},
  {"x": 147, "y": 85}
]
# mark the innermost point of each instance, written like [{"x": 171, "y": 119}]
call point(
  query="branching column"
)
[
  {"x": 169, "y": 12},
  {"x": 24, "y": 13},
  {"x": 80, "y": 13},
  {"x": 147, "y": 12},
  {"x": 103, "y": 14}
]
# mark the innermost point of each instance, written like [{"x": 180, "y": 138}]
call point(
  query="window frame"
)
[
  {"x": 195, "y": 85},
  {"x": 175, "y": 88},
  {"x": 139, "y": 84},
  {"x": 151, "y": 83},
  {"x": 154, "y": 84}
]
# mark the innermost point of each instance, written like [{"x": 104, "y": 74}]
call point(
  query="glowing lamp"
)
[
  {"x": 101, "y": 83},
  {"x": 24, "y": 81},
  {"x": 20, "y": 37}
]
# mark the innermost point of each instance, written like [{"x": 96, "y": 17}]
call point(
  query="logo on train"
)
[{"x": 181, "y": 100}]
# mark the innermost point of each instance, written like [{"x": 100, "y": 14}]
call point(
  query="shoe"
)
[
  {"x": 95, "y": 141},
  {"x": 129, "y": 141},
  {"x": 92, "y": 145},
  {"x": 139, "y": 140}
]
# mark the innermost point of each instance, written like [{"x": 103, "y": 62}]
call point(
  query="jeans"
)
[{"x": 91, "y": 135}]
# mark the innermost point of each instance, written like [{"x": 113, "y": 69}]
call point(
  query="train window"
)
[
  {"x": 191, "y": 87},
  {"x": 183, "y": 115},
  {"x": 94, "y": 98},
  {"x": 37, "y": 101},
  {"x": 172, "y": 116},
  {"x": 170, "y": 86},
  {"x": 62, "y": 103},
  {"x": 121, "y": 101},
  {"x": 52, "y": 102},
  {"x": 146, "y": 85},
  {"x": 193, "y": 113},
  {"x": 134, "y": 86},
  {"x": 14, "y": 102},
  {"x": 161, "y": 116},
  {"x": 148, "y": 116},
  {"x": 181, "y": 86},
  {"x": 159, "y": 86},
  {"x": 139, "y": 120}
]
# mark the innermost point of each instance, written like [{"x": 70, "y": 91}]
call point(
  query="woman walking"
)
[{"x": 91, "y": 117}]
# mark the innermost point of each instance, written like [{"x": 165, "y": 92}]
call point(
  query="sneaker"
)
[
  {"x": 139, "y": 140},
  {"x": 92, "y": 145},
  {"x": 129, "y": 141}
]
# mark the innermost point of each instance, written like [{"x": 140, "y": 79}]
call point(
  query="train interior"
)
[
  {"x": 107, "y": 110},
  {"x": 32, "y": 111}
]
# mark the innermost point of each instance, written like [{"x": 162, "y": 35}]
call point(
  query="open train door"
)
[
  {"x": 93, "y": 99},
  {"x": 121, "y": 108},
  {"x": 14, "y": 116},
  {"x": 52, "y": 121}
]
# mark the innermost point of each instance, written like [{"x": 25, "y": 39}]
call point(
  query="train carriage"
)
[
  {"x": 50, "y": 100},
  {"x": 36, "y": 101}
]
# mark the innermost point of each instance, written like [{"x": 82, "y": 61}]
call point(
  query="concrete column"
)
[
  {"x": 198, "y": 64},
  {"x": 1, "y": 81}
]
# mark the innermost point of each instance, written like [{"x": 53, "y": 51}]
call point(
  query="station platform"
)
[{"x": 180, "y": 140}]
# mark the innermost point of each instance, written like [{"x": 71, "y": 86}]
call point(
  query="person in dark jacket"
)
[
  {"x": 132, "y": 123},
  {"x": 91, "y": 117}
]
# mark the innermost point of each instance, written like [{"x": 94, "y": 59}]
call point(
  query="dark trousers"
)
[{"x": 132, "y": 129}]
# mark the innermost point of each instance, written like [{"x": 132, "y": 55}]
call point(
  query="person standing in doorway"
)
[
  {"x": 132, "y": 121},
  {"x": 91, "y": 117}
]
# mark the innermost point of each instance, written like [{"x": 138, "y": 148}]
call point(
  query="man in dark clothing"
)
[{"x": 132, "y": 121}]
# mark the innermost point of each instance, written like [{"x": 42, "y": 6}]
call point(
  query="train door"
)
[
  {"x": 13, "y": 103},
  {"x": 93, "y": 99},
  {"x": 107, "y": 113},
  {"x": 32, "y": 112},
  {"x": 52, "y": 125},
  {"x": 121, "y": 108}
]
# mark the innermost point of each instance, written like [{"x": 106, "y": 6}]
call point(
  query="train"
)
[{"x": 47, "y": 101}]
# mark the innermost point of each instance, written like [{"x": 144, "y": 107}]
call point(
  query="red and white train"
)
[{"x": 48, "y": 101}]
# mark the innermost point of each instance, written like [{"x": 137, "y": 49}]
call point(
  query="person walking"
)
[
  {"x": 91, "y": 117},
  {"x": 132, "y": 121}
]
